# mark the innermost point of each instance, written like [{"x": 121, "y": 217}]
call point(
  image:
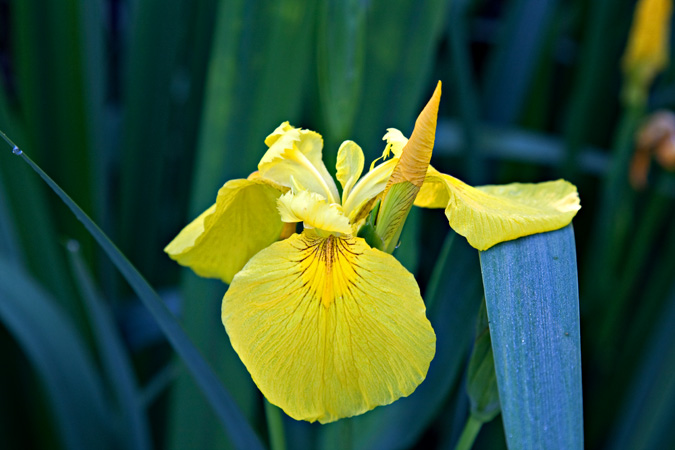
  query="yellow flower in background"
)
[
  {"x": 647, "y": 49},
  {"x": 327, "y": 325}
]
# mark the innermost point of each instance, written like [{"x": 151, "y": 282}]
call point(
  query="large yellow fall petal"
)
[
  {"x": 219, "y": 242},
  {"x": 328, "y": 327},
  {"x": 488, "y": 215},
  {"x": 296, "y": 153}
]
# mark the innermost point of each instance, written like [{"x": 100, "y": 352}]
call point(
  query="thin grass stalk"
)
[{"x": 469, "y": 434}]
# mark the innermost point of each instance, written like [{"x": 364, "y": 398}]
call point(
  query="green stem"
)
[
  {"x": 469, "y": 434},
  {"x": 275, "y": 426}
]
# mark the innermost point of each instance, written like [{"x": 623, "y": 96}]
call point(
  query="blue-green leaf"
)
[{"x": 532, "y": 300}]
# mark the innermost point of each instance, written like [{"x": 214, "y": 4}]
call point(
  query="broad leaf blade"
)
[{"x": 532, "y": 300}]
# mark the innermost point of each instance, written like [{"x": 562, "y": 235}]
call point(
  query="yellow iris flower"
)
[
  {"x": 328, "y": 326},
  {"x": 647, "y": 50}
]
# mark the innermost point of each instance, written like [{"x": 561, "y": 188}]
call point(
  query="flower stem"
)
[
  {"x": 275, "y": 427},
  {"x": 469, "y": 434}
]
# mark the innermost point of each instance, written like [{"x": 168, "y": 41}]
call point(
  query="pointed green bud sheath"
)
[{"x": 408, "y": 175}]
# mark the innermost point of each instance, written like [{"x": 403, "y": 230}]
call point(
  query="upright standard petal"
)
[
  {"x": 328, "y": 327},
  {"x": 349, "y": 166},
  {"x": 296, "y": 153},
  {"x": 219, "y": 242},
  {"x": 488, "y": 215}
]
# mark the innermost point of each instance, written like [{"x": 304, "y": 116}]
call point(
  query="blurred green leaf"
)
[
  {"x": 516, "y": 145},
  {"x": 533, "y": 307},
  {"x": 647, "y": 416},
  {"x": 8, "y": 239},
  {"x": 231, "y": 418},
  {"x": 134, "y": 432},
  {"x": 402, "y": 38},
  {"x": 254, "y": 83},
  {"x": 163, "y": 85},
  {"x": 59, "y": 71},
  {"x": 341, "y": 45},
  {"x": 35, "y": 235},
  {"x": 48, "y": 338},
  {"x": 465, "y": 89},
  {"x": 513, "y": 60},
  {"x": 592, "y": 99}
]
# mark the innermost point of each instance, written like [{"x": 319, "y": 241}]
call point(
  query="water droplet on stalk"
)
[
  {"x": 16, "y": 150},
  {"x": 73, "y": 246}
]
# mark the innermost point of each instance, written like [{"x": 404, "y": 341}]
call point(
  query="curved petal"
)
[
  {"x": 296, "y": 153},
  {"x": 488, "y": 215},
  {"x": 434, "y": 191},
  {"x": 313, "y": 210},
  {"x": 395, "y": 142},
  {"x": 219, "y": 242},
  {"x": 328, "y": 328},
  {"x": 349, "y": 166},
  {"x": 367, "y": 189}
]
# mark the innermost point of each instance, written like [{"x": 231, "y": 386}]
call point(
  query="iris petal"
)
[
  {"x": 349, "y": 166},
  {"x": 328, "y": 327},
  {"x": 488, "y": 215},
  {"x": 296, "y": 153},
  {"x": 313, "y": 210},
  {"x": 219, "y": 242}
]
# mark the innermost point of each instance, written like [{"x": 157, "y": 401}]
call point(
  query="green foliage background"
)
[{"x": 142, "y": 109}]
